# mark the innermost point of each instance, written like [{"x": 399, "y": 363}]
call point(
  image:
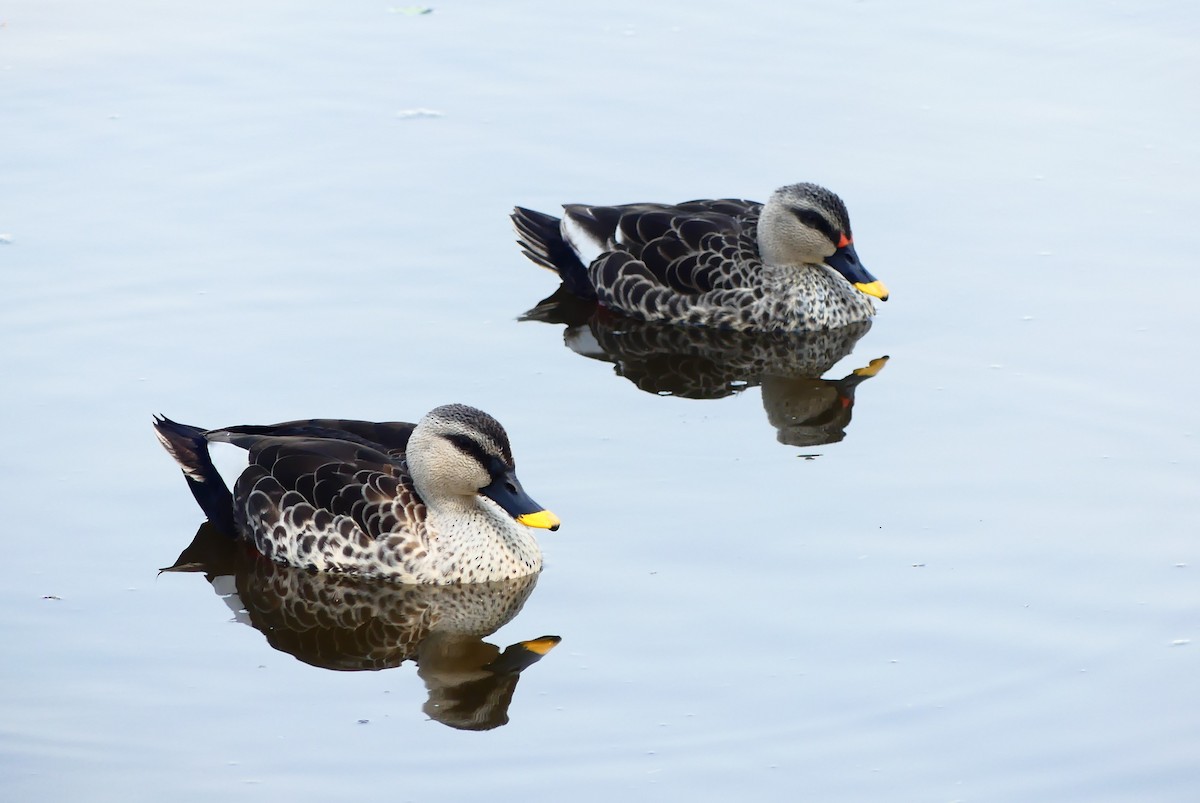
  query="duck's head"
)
[
  {"x": 456, "y": 450},
  {"x": 805, "y": 224}
]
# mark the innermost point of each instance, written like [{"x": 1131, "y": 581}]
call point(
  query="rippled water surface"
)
[{"x": 967, "y": 573}]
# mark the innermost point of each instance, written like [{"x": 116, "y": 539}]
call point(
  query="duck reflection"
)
[
  {"x": 335, "y": 621},
  {"x": 701, "y": 363}
]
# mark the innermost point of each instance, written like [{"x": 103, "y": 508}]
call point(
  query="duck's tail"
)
[
  {"x": 189, "y": 446},
  {"x": 541, "y": 239}
]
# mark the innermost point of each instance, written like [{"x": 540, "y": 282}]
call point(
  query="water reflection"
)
[
  {"x": 701, "y": 363},
  {"x": 350, "y": 624}
]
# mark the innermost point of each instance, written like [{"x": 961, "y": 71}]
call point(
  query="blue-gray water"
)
[{"x": 244, "y": 213}]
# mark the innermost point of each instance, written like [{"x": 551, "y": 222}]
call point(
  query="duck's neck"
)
[
  {"x": 786, "y": 275},
  {"x": 818, "y": 296},
  {"x": 471, "y": 538}
]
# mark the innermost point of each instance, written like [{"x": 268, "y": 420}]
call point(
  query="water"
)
[{"x": 984, "y": 590}]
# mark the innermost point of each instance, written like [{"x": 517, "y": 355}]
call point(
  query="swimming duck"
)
[
  {"x": 787, "y": 265},
  {"x": 437, "y": 502}
]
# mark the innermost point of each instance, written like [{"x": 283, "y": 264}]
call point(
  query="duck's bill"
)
[
  {"x": 506, "y": 491},
  {"x": 874, "y": 288},
  {"x": 542, "y": 645},
  {"x": 542, "y": 518},
  {"x": 872, "y": 368},
  {"x": 522, "y": 655},
  {"x": 845, "y": 261}
]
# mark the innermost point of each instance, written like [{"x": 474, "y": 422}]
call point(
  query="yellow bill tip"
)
[
  {"x": 872, "y": 368},
  {"x": 874, "y": 288},
  {"x": 543, "y": 519},
  {"x": 541, "y": 646}
]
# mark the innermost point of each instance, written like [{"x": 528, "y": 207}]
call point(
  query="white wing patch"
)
[
  {"x": 230, "y": 461},
  {"x": 584, "y": 244}
]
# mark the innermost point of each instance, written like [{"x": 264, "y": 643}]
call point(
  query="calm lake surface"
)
[{"x": 982, "y": 586}]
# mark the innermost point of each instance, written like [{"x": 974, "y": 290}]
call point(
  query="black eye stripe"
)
[
  {"x": 817, "y": 221},
  {"x": 471, "y": 448}
]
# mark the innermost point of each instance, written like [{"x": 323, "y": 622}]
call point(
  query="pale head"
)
[
  {"x": 450, "y": 451},
  {"x": 801, "y": 224},
  {"x": 459, "y": 455}
]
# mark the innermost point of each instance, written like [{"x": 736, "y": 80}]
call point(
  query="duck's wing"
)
[
  {"x": 390, "y": 437},
  {"x": 304, "y": 458},
  {"x": 665, "y": 258},
  {"x": 325, "y": 494},
  {"x": 679, "y": 244},
  {"x": 689, "y": 248}
]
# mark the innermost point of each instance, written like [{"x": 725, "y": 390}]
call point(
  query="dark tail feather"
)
[
  {"x": 541, "y": 240},
  {"x": 189, "y": 447}
]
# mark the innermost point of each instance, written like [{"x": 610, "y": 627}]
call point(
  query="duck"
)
[
  {"x": 437, "y": 502},
  {"x": 787, "y": 265}
]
